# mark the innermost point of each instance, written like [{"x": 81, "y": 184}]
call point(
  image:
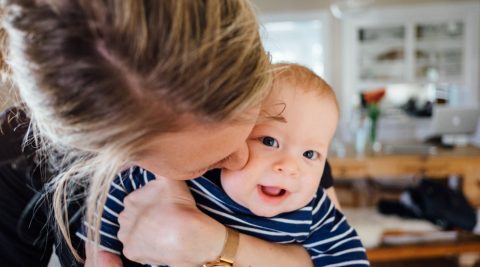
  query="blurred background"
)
[
  {"x": 406, "y": 74},
  {"x": 405, "y": 156}
]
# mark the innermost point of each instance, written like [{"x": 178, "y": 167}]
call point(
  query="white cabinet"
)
[{"x": 412, "y": 44}]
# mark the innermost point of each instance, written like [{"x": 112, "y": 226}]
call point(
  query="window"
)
[{"x": 297, "y": 40}]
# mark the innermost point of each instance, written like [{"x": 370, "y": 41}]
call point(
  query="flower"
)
[
  {"x": 371, "y": 100},
  {"x": 374, "y": 96}
]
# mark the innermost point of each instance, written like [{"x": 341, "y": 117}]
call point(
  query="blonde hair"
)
[
  {"x": 101, "y": 78},
  {"x": 302, "y": 78}
]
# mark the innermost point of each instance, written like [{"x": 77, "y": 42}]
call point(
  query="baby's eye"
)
[
  {"x": 269, "y": 141},
  {"x": 310, "y": 154}
]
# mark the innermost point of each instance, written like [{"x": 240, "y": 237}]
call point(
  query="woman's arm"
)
[
  {"x": 161, "y": 225},
  {"x": 256, "y": 252},
  {"x": 103, "y": 258}
]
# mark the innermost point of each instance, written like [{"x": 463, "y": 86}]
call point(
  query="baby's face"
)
[{"x": 286, "y": 157}]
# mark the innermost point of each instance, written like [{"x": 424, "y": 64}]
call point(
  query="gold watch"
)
[{"x": 227, "y": 257}]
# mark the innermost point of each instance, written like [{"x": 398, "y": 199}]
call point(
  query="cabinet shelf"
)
[
  {"x": 440, "y": 44},
  {"x": 382, "y": 44},
  {"x": 414, "y": 44}
]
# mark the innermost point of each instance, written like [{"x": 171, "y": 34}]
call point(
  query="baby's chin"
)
[
  {"x": 273, "y": 211},
  {"x": 268, "y": 213}
]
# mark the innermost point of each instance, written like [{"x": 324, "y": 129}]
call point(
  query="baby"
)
[{"x": 276, "y": 196}]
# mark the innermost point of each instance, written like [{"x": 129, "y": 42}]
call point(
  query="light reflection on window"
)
[{"x": 297, "y": 41}]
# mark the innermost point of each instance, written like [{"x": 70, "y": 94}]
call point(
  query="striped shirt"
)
[{"x": 318, "y": 226}]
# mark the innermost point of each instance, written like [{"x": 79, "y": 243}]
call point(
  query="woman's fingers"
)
[
  {"x": 158, "y": 220},
  {"x": 161, "y": 189}
]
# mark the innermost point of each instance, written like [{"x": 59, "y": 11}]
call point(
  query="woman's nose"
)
[
  {"x": 236, "y": 160},
  {"x": 287, "y": 166}
]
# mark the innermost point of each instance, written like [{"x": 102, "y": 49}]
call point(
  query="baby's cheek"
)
[
  {"x": 310, "y": 189},
  {"x": 233, "y": 183}
]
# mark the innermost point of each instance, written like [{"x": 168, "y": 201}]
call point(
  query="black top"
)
[
  {"x": 13, "y": 127},
  {"x": 327, "y": 178},
  {"x": 25, "y": 207},
  {"x": 14, "y": 156}
]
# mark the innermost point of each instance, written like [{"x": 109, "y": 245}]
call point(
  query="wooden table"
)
[
  {"x": 464, "y": 244},
  {"x": 462, "y": 161}
]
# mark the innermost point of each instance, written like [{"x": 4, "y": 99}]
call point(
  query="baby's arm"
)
[
  {"x": 104, "y": 258},
  {"x": 110, "y": 247},
  {"x": 332, "y": 240}
]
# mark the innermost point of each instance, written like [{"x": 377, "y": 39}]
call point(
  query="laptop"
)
[{"x": 454, "y": 121}]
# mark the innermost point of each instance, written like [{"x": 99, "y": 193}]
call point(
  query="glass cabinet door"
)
[
  {"x": 439, "y": 51},
  {"x": 381, "y": 53}
]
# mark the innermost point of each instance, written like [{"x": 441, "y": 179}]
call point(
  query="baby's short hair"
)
[{"x": 302, "y": 78}]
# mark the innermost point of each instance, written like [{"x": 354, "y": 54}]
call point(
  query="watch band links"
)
[{"x": 229, "y": 251}]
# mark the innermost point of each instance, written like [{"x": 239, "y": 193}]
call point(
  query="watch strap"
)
[
  {"x": 230, "y": 247},
  {"x": 229, "y": 251}
]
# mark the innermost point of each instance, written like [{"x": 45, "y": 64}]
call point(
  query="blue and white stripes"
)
[{"x": 319, "y": 227}]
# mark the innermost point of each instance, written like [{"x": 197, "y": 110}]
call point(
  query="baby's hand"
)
[{"x": 104, "y": 258}]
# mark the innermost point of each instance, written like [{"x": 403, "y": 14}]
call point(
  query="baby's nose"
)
[{"x": 287, "y": 166}]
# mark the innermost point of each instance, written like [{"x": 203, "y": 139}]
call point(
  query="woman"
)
[
  {"x": 25, "y": 239},
  {"x": 173, "y": 86}
]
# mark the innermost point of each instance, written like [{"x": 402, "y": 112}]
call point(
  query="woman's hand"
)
[{"x": 161, "y": 225}]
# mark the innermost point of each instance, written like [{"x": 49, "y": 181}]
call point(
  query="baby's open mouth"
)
[
  {"x": 272, "y": 191},
  {"x": 272, "y": 195}
]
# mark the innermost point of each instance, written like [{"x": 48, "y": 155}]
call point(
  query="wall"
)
[{"x": 272, "y": 7}]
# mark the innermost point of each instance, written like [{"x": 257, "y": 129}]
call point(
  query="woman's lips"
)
[{"x": 272, "y": 194}]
